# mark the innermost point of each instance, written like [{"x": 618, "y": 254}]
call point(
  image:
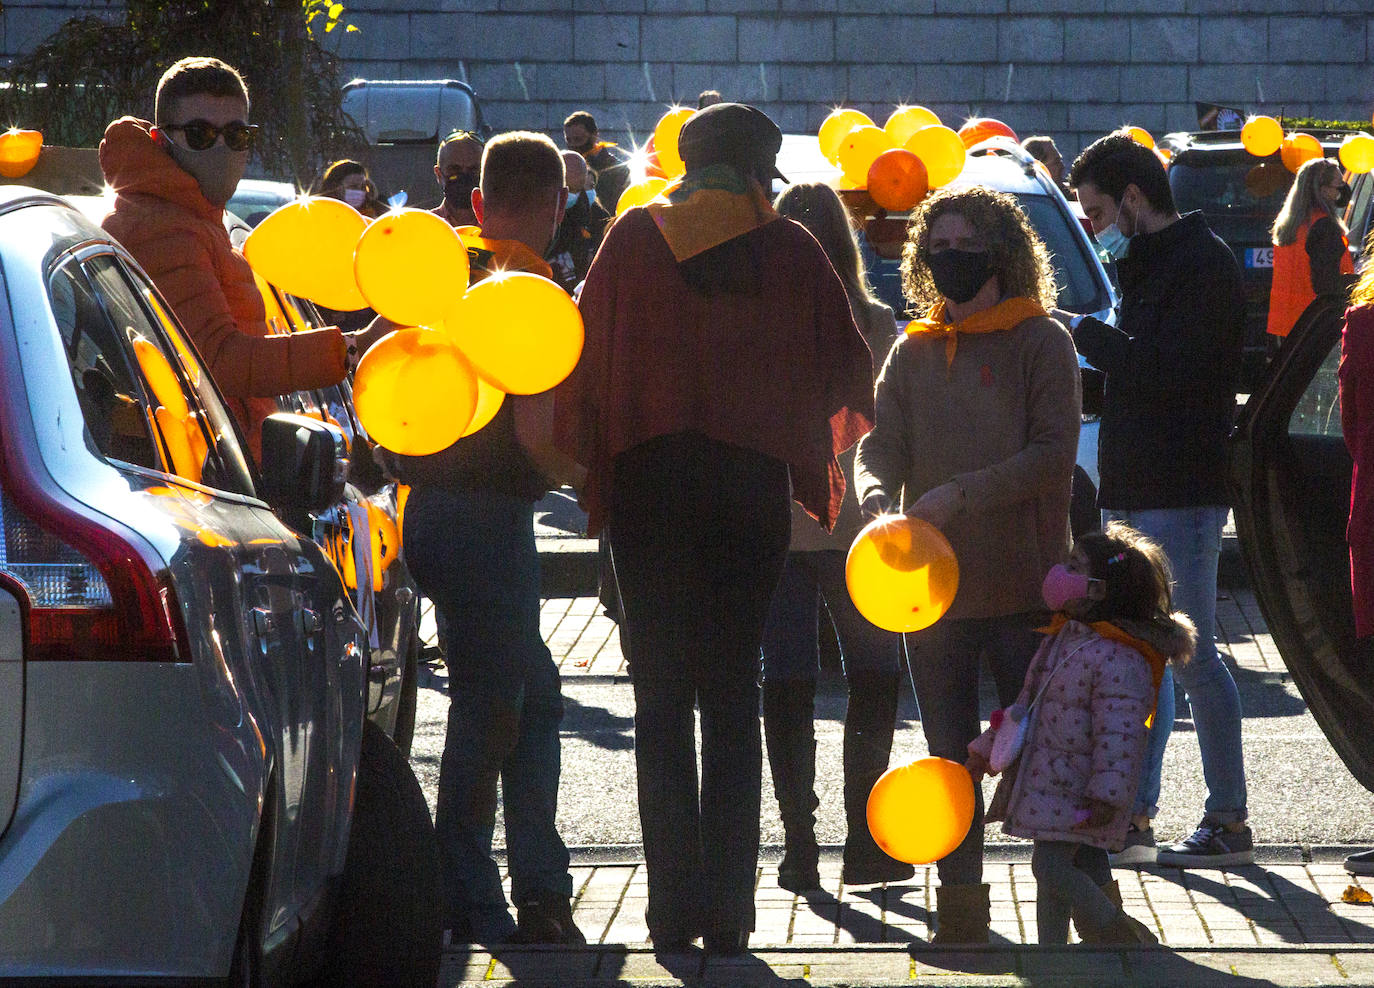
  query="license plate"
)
[{"x": 1259, "y": 257}]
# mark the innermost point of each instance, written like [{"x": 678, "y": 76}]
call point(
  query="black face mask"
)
[
  {"x": 458, "y": 190},
  {"x": 960, "y": 274},
  {"x": 1343, "y": 197}
]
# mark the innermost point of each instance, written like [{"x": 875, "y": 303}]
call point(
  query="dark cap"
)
[{"x": 730, "y": 132}]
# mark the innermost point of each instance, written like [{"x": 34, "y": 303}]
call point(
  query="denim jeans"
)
[
  {"x": 699, "y": 533},
  {"x": 1191, "y": 538},
  {"x": 790, "y": 650},
  {"x": 944, "y": 662},
  {"x": 473, "y": 553}
]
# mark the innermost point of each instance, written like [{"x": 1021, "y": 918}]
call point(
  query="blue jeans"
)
[
  {"x": 473, "y": 554},
  {"x": 1191, "y": 538},
  {"x": 944, "y": 667},
  {"x": 790, "y": 637}
]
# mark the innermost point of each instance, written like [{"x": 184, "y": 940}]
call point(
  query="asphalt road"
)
[{"x": 1300, "y": 793}]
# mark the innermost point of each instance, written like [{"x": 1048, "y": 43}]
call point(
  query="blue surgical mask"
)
[
  {"x": 591, "y": 196},
  {"x": 572, "y": 199},
  {"x": 1113, "y": 241}
]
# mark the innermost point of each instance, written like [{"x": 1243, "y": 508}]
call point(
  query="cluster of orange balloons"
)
[
  {"x": 900, "y": 162},
  {"x": 664, "y": 162},
  {"x": 901, "y": 573},
  {"x": 443, "y": 375}
]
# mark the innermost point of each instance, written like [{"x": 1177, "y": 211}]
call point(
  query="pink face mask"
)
[{"x": 1061, "y": 586}]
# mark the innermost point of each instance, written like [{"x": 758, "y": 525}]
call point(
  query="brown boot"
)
[
  {"x": 1123, "y": 929},
  {"x": 962, "y": 914}
]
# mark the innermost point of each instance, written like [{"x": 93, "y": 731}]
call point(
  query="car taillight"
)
[{"x": 91, "y": 596}]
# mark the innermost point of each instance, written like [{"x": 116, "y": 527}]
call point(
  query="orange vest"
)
[{"x": 1292, "y": 291}]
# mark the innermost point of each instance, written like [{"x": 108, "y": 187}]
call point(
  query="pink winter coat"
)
[{"x": 1087, "y": 739}]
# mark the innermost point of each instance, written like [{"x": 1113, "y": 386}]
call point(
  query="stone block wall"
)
[{"x": 1070, "y": 68}]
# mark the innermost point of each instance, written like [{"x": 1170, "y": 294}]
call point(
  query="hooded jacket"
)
[
  {"x": 1087, "y": 737},
  {"x": 178, "y": 236}
]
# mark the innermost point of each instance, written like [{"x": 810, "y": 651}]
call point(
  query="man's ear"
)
[
  {"x": 562, "y": 204},
  {"x": 438, "y": 176},
  {"x": 478, "y": 207}
]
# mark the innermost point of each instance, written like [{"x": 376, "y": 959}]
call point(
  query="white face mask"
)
[{"x": 355, "y": 197}]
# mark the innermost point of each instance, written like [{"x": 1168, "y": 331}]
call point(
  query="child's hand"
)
[
  {"x": 1096, "y": 814},
  {"x": 977, "y": 766}
]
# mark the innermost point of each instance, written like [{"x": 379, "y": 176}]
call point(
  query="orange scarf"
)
[
  {"x": 1111, "y": 632},
  {"x": 708, "y": 207},
  {"x": 1004, "y": 315},
  {"x": 487, "y": 256}
]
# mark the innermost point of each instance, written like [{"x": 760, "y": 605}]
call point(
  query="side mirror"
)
[{"x": 304, "y": 466}]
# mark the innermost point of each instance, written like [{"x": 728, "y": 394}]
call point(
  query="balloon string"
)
[{"x": 910, "y": 676}]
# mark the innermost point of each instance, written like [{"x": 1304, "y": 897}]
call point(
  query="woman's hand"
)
[
  {"x": 1099, "y": 814},
  {"x": 939, "y": 504}
]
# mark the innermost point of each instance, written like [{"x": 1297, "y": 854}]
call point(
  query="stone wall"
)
[{"x": 1071, "y": 68}]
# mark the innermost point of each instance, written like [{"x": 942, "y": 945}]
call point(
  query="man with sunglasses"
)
[
  {"x": 171, "y": 180},
  {"x": 457, "y": 168}
]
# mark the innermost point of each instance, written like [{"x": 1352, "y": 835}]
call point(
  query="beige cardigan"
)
[
  {"x": 1002, "y": 421},
  {"x": 879, "y": 328}
]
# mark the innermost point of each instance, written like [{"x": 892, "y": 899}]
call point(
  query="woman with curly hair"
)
[{"x": 978, "y": 412}]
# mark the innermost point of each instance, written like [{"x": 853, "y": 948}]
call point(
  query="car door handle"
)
[{"x": 263, "y": 621}]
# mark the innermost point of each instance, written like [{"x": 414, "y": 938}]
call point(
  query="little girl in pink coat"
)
[{"x": 1088, "y": 697}]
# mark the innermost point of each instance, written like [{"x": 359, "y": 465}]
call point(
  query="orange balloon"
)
[
  {"x": 906, "y": 120},
  {"x": 414, "y": 391},
  {"x": 897, "y": 180},
  {"x": 19, "y": 150},
  {"x": 941, "y": 151},
  {"x": 489, "y": 399},
  {"x": 306, "y": 248},
  {"x": 901, "y": 573},
  {"x": 665, "y": 141},
  {"x": 1141, "y": 136},
  {"x": 411, "y": 266},
  {"x": 522, "y": 332},
  {"x": 978, "y": 129},
  {"x": 1266, "y": 179},
  {"x": 1298, "y": 149},
  {"x": 640, "y": 193},
  {"x": 1261, "y": 136},
  {"x": 1357, "y": 153},
  {"x": 835, "y": 127},
  {"x": 919, "y": 812},
  {"x": 859, "y": 149}
]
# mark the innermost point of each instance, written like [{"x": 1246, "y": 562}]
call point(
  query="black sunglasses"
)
[
  {"x": 463, "y": 135},
  {"x": 201, "y": 134}
]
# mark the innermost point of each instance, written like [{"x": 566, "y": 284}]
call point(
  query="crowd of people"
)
[{"x": 741, "y": 407}]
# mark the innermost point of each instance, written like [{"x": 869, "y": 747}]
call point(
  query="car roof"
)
[{"x": 1229, "y": 140}]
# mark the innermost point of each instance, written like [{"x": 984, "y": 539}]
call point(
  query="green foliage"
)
[
  {"x": 1312, "y": 123},
  {"x": 95, "y": 69}
]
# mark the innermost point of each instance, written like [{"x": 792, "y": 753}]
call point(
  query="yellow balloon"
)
[
  {"x": 901, "y": 573},
  {"x": 919, "y": 812},
  {"x": 1261, "y": 136},
  {"x": 19, "y": 150},
  {"x": 489, "y": 399},
  {"x": 411, "y": 267},
  {"x": 414, "y": 391},
  {"x": 665, "y": 141},
  {"x": 306, "y": 248},
  {"x": 1141, "y": 136},
  {"x": 859, "y": 149},
  {"x": 906, "y": 120},
  {"x": 521, "y": 332},
  {"x": 1298, "y": 149},
  {"x": 1357, "y": 153},
  {"x": 942, "y": 150},
  {"x": 640, "y": 193},
  {"x": 835, "y": 127}
]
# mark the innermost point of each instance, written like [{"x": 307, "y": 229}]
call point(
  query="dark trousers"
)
[
  {"x": 945, "y": 666},
  {"x": 699, "y": 532}
]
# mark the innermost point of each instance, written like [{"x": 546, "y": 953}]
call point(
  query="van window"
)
[{"x": 111, "y": 396}]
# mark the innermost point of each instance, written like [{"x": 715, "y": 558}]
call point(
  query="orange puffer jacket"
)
[{"x": 179, "y": 238}]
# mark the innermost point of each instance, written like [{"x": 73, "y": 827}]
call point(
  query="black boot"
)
[
  {"x": 868, "y": 727},
  {"x": 789, "y": 710}
]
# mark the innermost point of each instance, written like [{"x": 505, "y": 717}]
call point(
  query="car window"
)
[
  {"x": 196, "y": 429},
  {"x": 1318, "y": 412},
  {"x": 1238, "y": 193},
  {"x": 1358, "y": 215},
  {"x": 108, "y": 389}
]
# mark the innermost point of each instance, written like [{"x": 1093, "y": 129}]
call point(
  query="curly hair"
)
[
  {"x": 1135, "y": 571},
  {"x": 1015, "y": 251}
]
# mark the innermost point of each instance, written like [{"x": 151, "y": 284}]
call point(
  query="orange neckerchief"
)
[
  {"x": 1110, "y": 631},
  {"x": 487, "y": 256},
  {"x": 1003, "y": 316},
  {"x": 708, "y": 207}
]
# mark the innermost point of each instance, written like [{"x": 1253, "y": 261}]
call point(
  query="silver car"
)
[{"x": 189, "y": 784}]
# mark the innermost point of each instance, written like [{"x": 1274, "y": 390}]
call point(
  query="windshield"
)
[
  {"x": 1081, "y": 289},
  {"x": 1238, "y": 193}
]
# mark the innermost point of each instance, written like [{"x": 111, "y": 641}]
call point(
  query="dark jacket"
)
[{"x": 1171, "y": 364}]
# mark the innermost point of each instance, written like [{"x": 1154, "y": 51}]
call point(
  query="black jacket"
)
[{"x": 1171, "y": 364}]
